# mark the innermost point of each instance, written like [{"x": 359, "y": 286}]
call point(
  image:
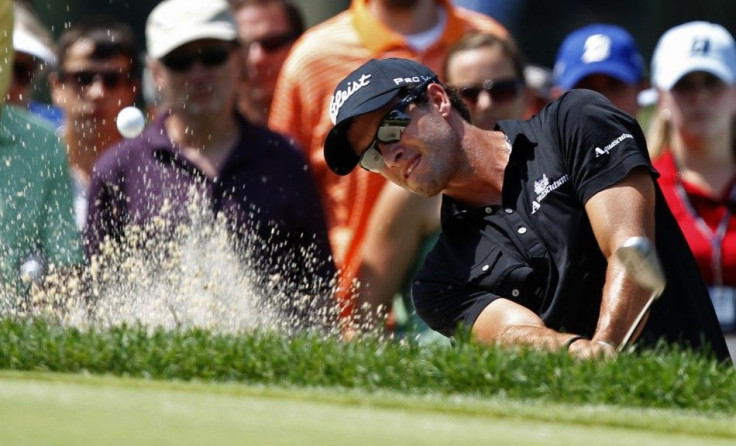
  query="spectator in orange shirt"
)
[
  {"x": 422, "y": 30},
  {"x": 266, "y": 29}
]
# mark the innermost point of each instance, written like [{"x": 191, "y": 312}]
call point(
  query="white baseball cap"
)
[
  {"x": 25, "y": 42},
  {"x": 694, "y": 46},
  {"x": 173, "y": 23}
]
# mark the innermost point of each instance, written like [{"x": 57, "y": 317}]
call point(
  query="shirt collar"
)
[
  {"x": 159, "y": 138},
  {"x": 379, "y": 38}
]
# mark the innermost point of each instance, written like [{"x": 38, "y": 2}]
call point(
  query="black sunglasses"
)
[
  {"x": 500, "y": 91},
  {"x": 85, "y": 78},
  {"x": 183, "y": 61},
  {"x": 391, "y": 128},
  {"x": 273, "y": 43}
]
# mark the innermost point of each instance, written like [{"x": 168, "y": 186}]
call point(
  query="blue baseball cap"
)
[{"x": 598, "y": 49}]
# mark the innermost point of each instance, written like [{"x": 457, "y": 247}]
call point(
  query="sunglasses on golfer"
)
[
  {"x": 85, "y": 78},
  {"x": 272, "y": 43},
  {"x": 182, "y": 61},
  {"x": 391, "y": 128},
  {"x": 500, "y": 91}
]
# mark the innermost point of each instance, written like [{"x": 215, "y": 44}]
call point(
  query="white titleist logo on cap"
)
[{"x": 340, "y": 96}]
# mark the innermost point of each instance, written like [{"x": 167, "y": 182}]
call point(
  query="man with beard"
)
[
  {"x": 418, "y": 29},
  {"x": 96, "y": 77},
  {"x": 200, "y": 150}
]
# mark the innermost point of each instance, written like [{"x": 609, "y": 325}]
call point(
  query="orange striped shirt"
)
[{"x": 318, "y": 61}]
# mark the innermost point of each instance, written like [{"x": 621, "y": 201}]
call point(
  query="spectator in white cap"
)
[
  {"x": 200, "y": 144},
  {"x": 603, "y": 58},
  {"x": 691, "y": 141},
  {"x": 34, "y": 54}
]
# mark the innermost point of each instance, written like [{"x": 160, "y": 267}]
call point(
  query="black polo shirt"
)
[{"x": 538, "y": 248}]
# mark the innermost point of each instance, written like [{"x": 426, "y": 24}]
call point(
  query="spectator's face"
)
[
  {"x": 470, "y": 69},
  {"x": 89, "y": 90},
  {"x": 622, "y": 95},
  {"x": 701, "y": 106},
  {"x": 24, "y": 71},
  {"x": 266, "y": 39},
  {"x": 198, "y": 78}
]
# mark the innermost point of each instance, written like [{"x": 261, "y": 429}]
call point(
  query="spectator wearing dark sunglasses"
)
[
  {"x": 97, "y": 76},
  {"x": 199, "y": 152},
  {"x": 34, "y": 56},
  {"x": 266, "y": 30},
  {"x": 488, "y": 72}
]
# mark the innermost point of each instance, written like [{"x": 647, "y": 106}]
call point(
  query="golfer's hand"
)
[{"x": 586, "y": 349}]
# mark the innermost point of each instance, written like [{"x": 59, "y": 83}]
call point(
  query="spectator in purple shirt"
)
[{"x": 253, "y": 177}]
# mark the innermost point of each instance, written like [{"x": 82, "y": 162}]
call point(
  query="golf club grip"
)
[{"x": 637, "y": 321}]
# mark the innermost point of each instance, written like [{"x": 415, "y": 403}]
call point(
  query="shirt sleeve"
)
[{"x": 600, "y": 144}]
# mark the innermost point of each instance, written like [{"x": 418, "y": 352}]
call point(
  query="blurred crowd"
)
[{"x": 236, "y": 96}]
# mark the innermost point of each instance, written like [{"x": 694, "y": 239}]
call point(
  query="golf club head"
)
[{"x": 642, "y": 264}]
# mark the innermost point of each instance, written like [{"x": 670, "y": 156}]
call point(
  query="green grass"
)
[
  {"x": 665, "y": 379},
  {"x": 44, "y": 408}
]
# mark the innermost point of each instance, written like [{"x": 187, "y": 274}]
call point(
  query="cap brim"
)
[
  {"x": 24, "y": 42},
  {"x": 712, "y": 66},
  {"x": 340, "y": 156},
  {"x": 619, "y": 71},
  {"x": 161, "y": 46}
]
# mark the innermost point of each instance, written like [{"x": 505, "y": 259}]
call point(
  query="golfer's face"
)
[{"x": 411, "y": 162}]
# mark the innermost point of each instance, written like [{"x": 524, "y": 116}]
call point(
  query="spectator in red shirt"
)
[{"x": 692, "y": 142}]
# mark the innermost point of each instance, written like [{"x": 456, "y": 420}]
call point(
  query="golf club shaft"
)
[{"x": 637, "y": 322}]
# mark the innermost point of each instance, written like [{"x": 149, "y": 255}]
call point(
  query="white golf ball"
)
[{"x": 130, "y": 122}]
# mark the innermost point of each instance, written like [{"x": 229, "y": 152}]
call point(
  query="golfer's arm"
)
[
  {"x": 507, "y": 323},
  {"x": 623, "y": 210}
]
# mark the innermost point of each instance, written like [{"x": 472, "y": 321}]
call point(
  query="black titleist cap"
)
[{"x": 366, "y": 89}]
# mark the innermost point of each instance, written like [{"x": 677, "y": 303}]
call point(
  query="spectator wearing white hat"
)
[
  {"x": 36, "y": 220},
  {"x": 199, "y": 143},
  {"x": 603, "y": 58},
  {"x": 34, "y": 54},
  {"x": 691, "y": 140}
]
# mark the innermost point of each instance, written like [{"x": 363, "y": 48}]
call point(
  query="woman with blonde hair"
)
[{"x": 693, "y": 144}]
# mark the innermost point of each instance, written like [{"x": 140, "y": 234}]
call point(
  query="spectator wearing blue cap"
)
[{"x": 604, "y": 58}]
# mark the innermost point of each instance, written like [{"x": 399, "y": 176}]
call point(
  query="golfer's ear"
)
[{"x": 438, "y": 96}]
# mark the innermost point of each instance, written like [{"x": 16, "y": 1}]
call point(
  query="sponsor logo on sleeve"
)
[{"x": 612, "y": 145}]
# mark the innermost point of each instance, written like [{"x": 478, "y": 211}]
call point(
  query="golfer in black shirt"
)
[{"x": 532, "y": 214}]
